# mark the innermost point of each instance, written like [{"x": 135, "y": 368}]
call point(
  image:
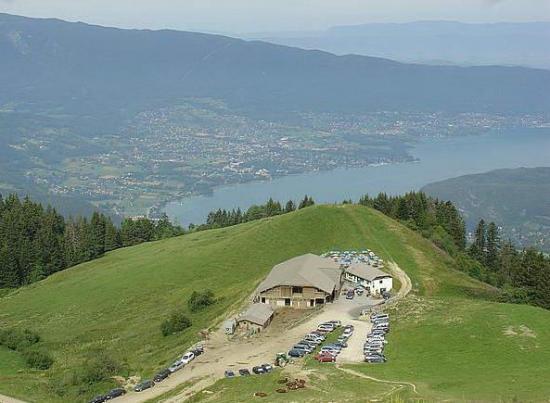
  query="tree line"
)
[
  {"x": 524, "y": 275},
  {"x": 224, "y": 218},
  {"x": 36, "y": 242}
]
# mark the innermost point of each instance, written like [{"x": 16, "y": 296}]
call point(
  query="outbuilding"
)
[{"x": 256, "y": 318}]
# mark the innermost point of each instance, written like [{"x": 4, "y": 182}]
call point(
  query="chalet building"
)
[
  {"x": 372, "y": 278},
  {"x": 256, "y": 318},
  {"x": 302, "y": 282}
]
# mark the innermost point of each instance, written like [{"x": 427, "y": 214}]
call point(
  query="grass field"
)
[{"x": 447, "y": 338}]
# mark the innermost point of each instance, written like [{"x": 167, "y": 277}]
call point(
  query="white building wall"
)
[{"x": 380, "y": 284}]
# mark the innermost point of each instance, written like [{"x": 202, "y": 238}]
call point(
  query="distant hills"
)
[
  {"x": 432, "y": 42},
  {"x": 516, "y": 199},
  {"x": 91, "y": 71}
]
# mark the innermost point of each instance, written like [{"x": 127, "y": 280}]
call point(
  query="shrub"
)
[
  {"x": 200, "y": 300},
  {"x": 19, "y": 340},
  {"x": 38, "y": 359},
  {"x": 176, "y": 323},
  {"x": 98, "y": 368}
]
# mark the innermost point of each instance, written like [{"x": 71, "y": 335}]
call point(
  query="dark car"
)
[
  {"x": 267, "y": 367},
  {"x": 115, "y": 393},
  {"x": 99, "y": 399},
  {"x": 198, "y": 351},
  {"x": 162, "y": 375},
  {"x": 259, "y": 370},
  {"x": 244, "y": 372},
  {"x": 350, "y": 294},
  {"x": 140, "y": 387},
  {"x": 296, "y": 353}
]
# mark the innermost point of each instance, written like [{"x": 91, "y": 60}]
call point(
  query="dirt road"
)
[{"x": 7, "y": 399}]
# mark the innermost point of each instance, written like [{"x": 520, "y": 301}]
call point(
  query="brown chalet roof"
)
[{"x": 304, "y": 271}]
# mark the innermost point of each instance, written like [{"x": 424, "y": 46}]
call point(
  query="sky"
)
[{"x": 247, "y": 16}]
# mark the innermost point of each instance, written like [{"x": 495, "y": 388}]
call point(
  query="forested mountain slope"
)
[{"x": 516, "y": 199}]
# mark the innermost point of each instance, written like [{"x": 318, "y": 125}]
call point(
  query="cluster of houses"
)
[{"x": 305, "y": 282}]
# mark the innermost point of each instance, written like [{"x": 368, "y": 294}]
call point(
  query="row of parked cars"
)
[
  {"x": 159, "y": 377},
  {"x": 258, "y": 370},
  {"x": 373, "y": 348},
  {"x": 316, "y": 338}
]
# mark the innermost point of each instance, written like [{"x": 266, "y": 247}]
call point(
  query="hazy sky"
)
[{"x": 274, "y": 15}]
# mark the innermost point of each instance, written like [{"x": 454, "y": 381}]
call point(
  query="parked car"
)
[
  {"x": 117, "y": 392},
  {"x": 359, "y": 290},
  {"x": 386, "y": 295},
  {"x": 244, "y": 372},
  {"x": 296, "y": 353},
  {"x": 341, "y": 344},
  {"x": 267, "y": 367},
  {"x": 229, "y": 374},
  {"x": 379, "y": 316},
  {"x": 162, "y": 375},
  {"x": 325, "y": 357},
  {"x": 306, "y": 349},
  {"x": 350, "y": 294},
  {"x": 99, "y": 399},
  {"x": 140, "y": 387},
  {"x": 258, "y": 370},
  {"x": 375, "y": 359},
  {"x": 176, "y": 366},
  {"x": 187, "y": 357},
  {"x": 198, "y": 351},
  {"x": 336, "y": 323}
]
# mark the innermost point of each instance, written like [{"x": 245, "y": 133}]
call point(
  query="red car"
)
[{"x": 324, "y": 357}]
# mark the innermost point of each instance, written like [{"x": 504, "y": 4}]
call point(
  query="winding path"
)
[{"x": 7, "y": 399}]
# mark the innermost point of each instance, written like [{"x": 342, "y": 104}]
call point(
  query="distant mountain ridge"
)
[
  {"x": 85, "y": 69},
  {"x": 433, "y": 42}
]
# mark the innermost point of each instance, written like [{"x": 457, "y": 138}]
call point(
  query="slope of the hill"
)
[
  {"x": 448, "y": 339},
  {"x": 116, "y": 304},
  {"x": 94, "y": 70}
]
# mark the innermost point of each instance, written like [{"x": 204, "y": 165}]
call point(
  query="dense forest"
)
[{"x": 36, "y": 242}]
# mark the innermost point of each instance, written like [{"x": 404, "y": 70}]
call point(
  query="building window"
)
[
  {"x": 297, "y": 290},
  {"x": 381, "y": 281},
  {"x": 263, "y": 300},
  {"x": 311, "y": 302},
  {"x": 287, "y": 301}
]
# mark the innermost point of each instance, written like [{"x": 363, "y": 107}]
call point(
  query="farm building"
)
[
  {"x": 301, "y": 282},
  {"x": 372, "y": 278},
  {"x": 256, "y": 318}
]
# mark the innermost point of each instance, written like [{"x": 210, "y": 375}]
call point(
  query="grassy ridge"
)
[{"x": 116, "y": 304}]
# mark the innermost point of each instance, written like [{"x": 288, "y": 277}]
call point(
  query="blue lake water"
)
[{"x": 439, "y": 159}]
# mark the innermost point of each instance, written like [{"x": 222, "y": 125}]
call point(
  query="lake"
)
[{"x": 439, "y": 159}]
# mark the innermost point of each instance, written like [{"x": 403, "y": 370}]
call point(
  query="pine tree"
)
[{"x": 493, "y": 247}]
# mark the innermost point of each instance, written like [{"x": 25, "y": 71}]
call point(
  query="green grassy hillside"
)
[{"x": 449, "y": 340}]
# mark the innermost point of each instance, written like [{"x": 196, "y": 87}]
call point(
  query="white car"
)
[
  {"x": 176, "y": 366},
  {"x": 187, "y": 357}
]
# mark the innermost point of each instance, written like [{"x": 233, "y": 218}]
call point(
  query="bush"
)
[
  {"x": 38, "y": 359},
  {"x": 176, "y": 323},
  {"x": 99, "y": 368},
  {"x": 19, "y": 340},
  {"x": 200, "y": 300}
]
